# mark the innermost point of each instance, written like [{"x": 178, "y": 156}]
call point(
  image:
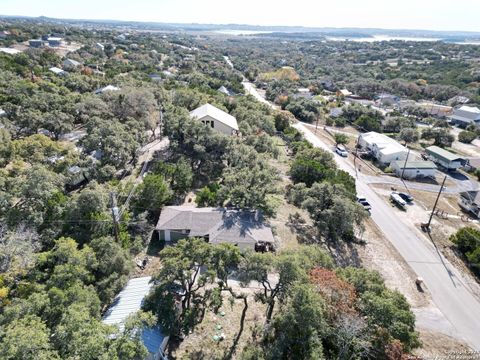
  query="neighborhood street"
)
[
  {"x": 449, "y": 292},
  {"x": 444, "y": 282}
]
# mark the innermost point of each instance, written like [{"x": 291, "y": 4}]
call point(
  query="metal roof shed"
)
[
  {"x": 414, "y": 169},
  {"x": 129, "y": 301},
  {"x": 445, "y": 158}
]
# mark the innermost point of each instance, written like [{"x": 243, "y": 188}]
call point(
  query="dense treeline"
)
[
  {"x": 66, "y": 148},
  {"x": 67, "y": 151},
  {"x": 416, "y": 70}
]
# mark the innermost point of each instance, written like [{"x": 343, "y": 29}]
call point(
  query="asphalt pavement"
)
[{"x": 448, "y": 290}]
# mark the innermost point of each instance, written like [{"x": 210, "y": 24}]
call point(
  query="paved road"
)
[
  {"x": 444, "y": 282},
  {"x": 252, "y": 90}
]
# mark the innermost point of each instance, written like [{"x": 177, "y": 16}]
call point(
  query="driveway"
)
[{"x": 449, "y": 291}]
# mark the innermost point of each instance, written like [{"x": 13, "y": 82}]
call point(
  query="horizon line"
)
[{"x": 237, "y": 24}]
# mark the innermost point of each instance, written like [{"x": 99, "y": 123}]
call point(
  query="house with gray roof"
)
[
  {"x": 444, "y": 158},
  {"x": 215, "y": 118},
  {"x": 128, "y": 302},
  {"x": 466, "y": 115},
  {"x": 470, "y": 202},
  {"x": 71, "y": 64},
  {"x": 222, "y": 89},
  {"x": 244, "y": 229},
  {"x": 414, "y": 169}
]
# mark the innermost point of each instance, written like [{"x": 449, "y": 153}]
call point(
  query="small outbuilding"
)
[
  {"x": 414, "y": 169},
  {"x": 58, "y": 71},
  {"x": 444, "y": 158},
  {"x": 10, "y": 51},
  {"x": 71, "y": 64},
  {"x": 128, "y": 302},
  {"x": 222, "y": 89},
  {"x": 303, "y": 93},
  {"x": 215, "y": 118},
  {"x": 35, "y": 43},
  {"x": 387, "y": 99},
  {"x": 54, "y": 41},
  {"x": 344, "y": 93},
  {"x": 470, "y": 202},
  {"x": 107, "y": 88}
]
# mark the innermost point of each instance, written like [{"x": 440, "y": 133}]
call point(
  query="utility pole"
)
[
  {"x": 404, "y": 165},
  {"x": 355, "y": 154},
  {"x": 160, "y": 123},
  {"x": 435, "y": 205},
  {"x": 115, "y": 216}
]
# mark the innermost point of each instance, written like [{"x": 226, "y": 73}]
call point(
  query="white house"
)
[
  {"x": 215, "y": 118},
  {"x": 128, "y": 302},
  {"x": 383, "y": 148},
  {"x": 344, "y": 92},
  {"x": 303, "y": 93},
  {"x": 470, "y": 201},
  {"x": 107, "y": 88},
  {"x": 414, "y": 169},
  {"x": 58, "y": 71},
  {"x": 100, "y": 46},
  {"x": 54, "y": 41},
  {"x": 466, "y": 115},
  {"x": 10, "y": 51}
]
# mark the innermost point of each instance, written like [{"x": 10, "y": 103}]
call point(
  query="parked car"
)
[
  {"x": 340, "y": 150},
  {"x": 362, "y": 201},
  {"x": 397, "y": 199},
  {"x": 407, "y": 197}
]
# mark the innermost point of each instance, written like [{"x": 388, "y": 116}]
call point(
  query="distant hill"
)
[{"x": 281, "y": 31}]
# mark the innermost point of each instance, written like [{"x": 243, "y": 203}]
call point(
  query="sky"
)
[{"x": 405, "y": 14}]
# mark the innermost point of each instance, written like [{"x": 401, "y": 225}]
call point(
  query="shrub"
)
[
  {"x": 467, "y": 240},
  {"x": 466, "y": 136}
]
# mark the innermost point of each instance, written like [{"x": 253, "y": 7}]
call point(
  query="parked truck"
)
[{"x": 397, "y": 200}]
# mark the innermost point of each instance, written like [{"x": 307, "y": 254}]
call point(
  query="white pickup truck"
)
[
  {"x": 363, "y": 201},
  {"x": 397, "y": 199}
]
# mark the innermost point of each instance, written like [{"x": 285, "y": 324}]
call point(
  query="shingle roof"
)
[
  {"x": 442, "y": 153},
  {"x": 221, "y": 225},
  {"x": 216, "y": 113}
]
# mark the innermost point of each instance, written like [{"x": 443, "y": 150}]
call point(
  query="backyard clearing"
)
[{"x": 203, "y": 343}]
